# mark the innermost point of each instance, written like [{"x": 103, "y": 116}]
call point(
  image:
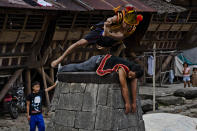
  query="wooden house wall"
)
[
  {"x": 19, "y": 32},
  {"x": 168, "y": 30}
]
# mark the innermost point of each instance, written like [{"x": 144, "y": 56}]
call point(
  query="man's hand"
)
[
  {"x": 106, "y": 30},
  {"x": 108, "y": 23},
  {"x": 54, "y": 63},
  {"x": 28, "y": 118},
  {"x": 127, "y": 108},
  {"x": 131, "y": 75},
  {"x": 133, "y": 106}
]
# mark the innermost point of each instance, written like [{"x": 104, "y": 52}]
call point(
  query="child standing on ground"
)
[
  {"x": 186, "y": 74},
  {"x": 34, "y": 108}
]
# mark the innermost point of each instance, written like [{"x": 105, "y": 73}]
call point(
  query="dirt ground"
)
[{"x": 19, "y": 124}]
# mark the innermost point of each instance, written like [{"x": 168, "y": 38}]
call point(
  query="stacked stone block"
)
[{"x": 92, "y": 107}]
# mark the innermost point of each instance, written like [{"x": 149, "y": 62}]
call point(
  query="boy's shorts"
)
[{"x": 186, "y": 78}]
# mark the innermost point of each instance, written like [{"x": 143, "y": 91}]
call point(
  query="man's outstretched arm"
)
[
  {"x": 133, "y": 93},
  {"x": 125, "y": 93}
]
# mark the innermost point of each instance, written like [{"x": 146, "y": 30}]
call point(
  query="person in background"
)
[
  {"x": 34, "y": 108},
  {"x": 186, "y": 74}
]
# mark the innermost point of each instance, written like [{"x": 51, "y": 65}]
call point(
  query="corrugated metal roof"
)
[
  {"x": 163, "y": 7},
  {"x": 32, "y": 4},
  {"x": 76, "y": 5},
  {"x": 110, "y": 4}
]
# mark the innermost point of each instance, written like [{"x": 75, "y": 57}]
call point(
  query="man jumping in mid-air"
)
[{"x": 109, "y": 33}]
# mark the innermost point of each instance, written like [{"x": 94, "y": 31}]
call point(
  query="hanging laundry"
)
[
  {"x": 44, "y": 3},
  {"x": 171, "y": 76},
  {"x": 150, "y": 65}
]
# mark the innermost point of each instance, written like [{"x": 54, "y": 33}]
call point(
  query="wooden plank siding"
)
[
  {"x": 168, "y": 30},
  {"x": 18, "y": 31}
]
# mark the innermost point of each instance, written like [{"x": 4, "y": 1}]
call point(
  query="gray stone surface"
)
[
  {"x": 93, "y": 107},
  {"x": 62, "y": 128},
  {"x": 85, "y": 120},
  {"x": 171, "y": 100},
  {"x": 141, "y": 125},
  {"x": 102, "y": 94},
  {"x": 124, "y": 130},
  {"x": 71, "y": 101},
  {"x": 120, "y": 120},
  {"x": 65, "y": 118},
  {"x": 188, "y": 93},
  {"x": 77, "y": 87},
  {"x": 115, "y": 98},
  {"x": 63, "y": 87},
  {"x": 104, "y": 118},
  {"x": 133, "y": 120},
  {"x": 56, "y": 96},
  {"x": 147, "y": 105},
  {"x": 89, "y": 102},
  {"x": 133, "y": 129}
]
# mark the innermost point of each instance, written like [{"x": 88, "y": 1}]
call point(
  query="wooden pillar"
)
[
  {"x": 10, "y": 83},
  {"x": 145, "y": 67},
  {"x": 52, "y": 74},
  {"x": 48, "y": 79},
  {"x": 45, "y": 86},
  {"x": 28, "y": 81}
]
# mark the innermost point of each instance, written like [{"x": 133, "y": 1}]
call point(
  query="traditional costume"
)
[
  {"x": 128, "y": 15},
  {"x": 104, "y": 65}
]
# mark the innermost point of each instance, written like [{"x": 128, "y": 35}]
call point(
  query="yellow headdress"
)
[{"x": 129, "y": 15}]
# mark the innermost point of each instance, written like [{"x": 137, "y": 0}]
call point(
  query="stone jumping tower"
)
[{"x": 84, "y": 101}]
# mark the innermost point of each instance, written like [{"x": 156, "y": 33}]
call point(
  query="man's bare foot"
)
[
  {"x": 100, "y": 47},
  {"x": 127, "y": 108},
  {"x": 133, "y": 106},
  {"x": 54, "y": 63}
]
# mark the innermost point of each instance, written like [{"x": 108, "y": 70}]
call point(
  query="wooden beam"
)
[
  {"x": 189, "y": 14},
  {"x": 12, "y": 67},
  {"x": 48, "y": 79},
  {"x": 74, "y": 19},
  {"x": 10, "y": 83},
  {"x": 47, "y": 42},
  {"x": 45, "y": 86},
  {"x": 21, "y": 54},
  {"x": 28, "y": 81},
  {"x": 5, "y": 22},
  {"x": 1, "y": 60},
  {"x": 177, "y": 17},
  {"x": 164, "y": 66},
  {"x": 52, "y": 74}
]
